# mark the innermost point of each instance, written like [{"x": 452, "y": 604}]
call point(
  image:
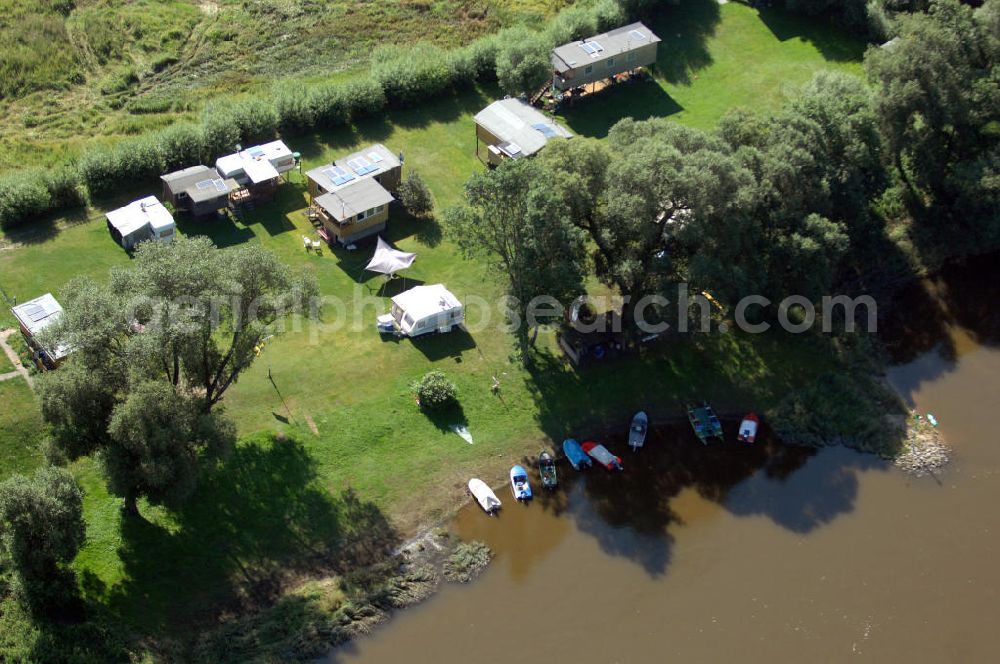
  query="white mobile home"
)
[
  {"x": 423, "y": 309},
  {"x": 141, "y": 220},
  {"x": 34, "y": 316}
]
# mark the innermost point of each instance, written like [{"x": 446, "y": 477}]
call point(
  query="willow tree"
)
[{"x": 156, "y": 348}]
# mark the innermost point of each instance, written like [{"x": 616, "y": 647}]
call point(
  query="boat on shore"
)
[
  {"x": 484, "y": 496},
  {"x": 748, "y": 428},
  {"x": 637, "y": 430},
  {"x": 519, "y": 485},
  {"x": 547, "y": 470},
  {"x": 704, "y": 422},
  {"x": 577, "y": 457},
  {"x": 601, "y": 455}
]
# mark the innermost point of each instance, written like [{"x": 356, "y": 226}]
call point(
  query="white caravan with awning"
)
[{"x": 421, "y": 310}]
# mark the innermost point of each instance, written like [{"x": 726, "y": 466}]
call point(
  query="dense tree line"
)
[{"x": 772, "y": 205}]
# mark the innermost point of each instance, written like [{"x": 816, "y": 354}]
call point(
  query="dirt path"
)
[{"x": 19, "y": 369}]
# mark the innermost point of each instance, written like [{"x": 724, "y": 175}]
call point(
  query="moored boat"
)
[
  {"x": 748, "y": 428},
  {"x": 519, "y": 485},
  {"x": 602, "y": 456},
  {"x": 704, "y": 422},
  {"x": 547, "y": 469},
  {"x": 484, "y": 496},
  {"x": 577, "y": 457},
  {"x": 637, "y": 430}
]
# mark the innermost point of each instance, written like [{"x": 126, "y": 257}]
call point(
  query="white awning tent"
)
[{"x": 389, "y": 261}]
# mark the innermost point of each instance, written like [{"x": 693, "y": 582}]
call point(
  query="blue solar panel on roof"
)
[
  {"x": 547, "y": 130},
  {"x": 255, "y": 151}
]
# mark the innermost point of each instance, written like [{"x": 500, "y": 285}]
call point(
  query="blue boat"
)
[
  {"x": 577, "y": 457},
  {"x": 519, "y": 484}
]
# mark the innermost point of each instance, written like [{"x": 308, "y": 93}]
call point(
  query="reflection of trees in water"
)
[
  {"x": 961, "y": 294},
  {"x": 630, "y": 513}
]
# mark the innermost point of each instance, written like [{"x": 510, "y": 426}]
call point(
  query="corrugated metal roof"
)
[
  {"x": 601, "y": 47},
  {"x": 356, "y": 197},
  {"x": 516, "y": 122}
]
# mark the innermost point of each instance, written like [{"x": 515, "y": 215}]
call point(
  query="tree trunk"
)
[{"x": 131, "y": 506}]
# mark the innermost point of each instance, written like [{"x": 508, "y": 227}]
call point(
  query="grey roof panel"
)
[{"x": 612, "y": 43}]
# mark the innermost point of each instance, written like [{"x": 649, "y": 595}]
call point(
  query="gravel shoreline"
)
[{"x": 924, "y": 451}]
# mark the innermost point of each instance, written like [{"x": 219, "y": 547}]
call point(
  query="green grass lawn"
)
[
  {"x": 20, "y": 428},
  {"x": 274, "y": 505},
  {"x": 714, "y": 58}
]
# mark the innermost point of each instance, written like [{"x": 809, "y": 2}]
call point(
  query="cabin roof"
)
[
  {"x": 600, "y": 47},
  {"x": 521, "y": 128}
]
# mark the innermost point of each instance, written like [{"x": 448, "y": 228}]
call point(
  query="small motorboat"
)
[
  {"x": 519, "y": 483},
  {"x": 637, "y": 431},
  {"x": 577, "y": 457},
  {"x": 484, "y": 496},
  {"x": 704, "y": 422},
  {"x": 547, "y": 469},
  {"x": 601, "y": 454},
  {"x": 748, "y": 428}
]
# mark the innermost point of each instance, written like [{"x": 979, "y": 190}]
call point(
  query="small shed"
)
[
  {"x": 603, "y": 56},
  {"x": 355, "y": 211},
  {"x": 141, "y": 220},
  {"x": 197, "y": 190},
  {"x": 512, "y": 129},
  {"x": 34, "y": 316}
]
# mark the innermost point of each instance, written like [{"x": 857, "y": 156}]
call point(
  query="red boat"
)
[
  {"x": 601, "y": 455},
  {"x": 748, "y": 428}
]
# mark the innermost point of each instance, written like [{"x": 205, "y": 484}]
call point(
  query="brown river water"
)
[{"x": 762, "y": 553}]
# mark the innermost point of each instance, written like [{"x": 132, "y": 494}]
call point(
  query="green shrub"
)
[
  {"x": 523, "y": 61},
  {"x": 23, "y": 195},
  {"x": 435, "y": 391},
  {"x": 106, "y": 171},
  {"x": 474, "y": 62},
  {"x": 413, "y": 74},
  {"x": 571, "y": 24},
  {"x": 363, "y": 97},
  {"x": 293, "y": 106},
  {"x": 247, "y": 122},
  {"x": 149, "y": 104},
  {"x": 608, "y": 14},
  {"x": 328, "y": 106},
  {"x": 181, "y": 145},
  {"x": 415, "y": 195},
  {"x": 65, "y": 193}
]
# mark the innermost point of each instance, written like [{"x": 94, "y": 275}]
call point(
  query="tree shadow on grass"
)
[
  {"x": 594, "y": 115},
  {"x": 403, "y": 225},
  {"x": 834, "y": 44},
  {"x": 223, "y": 231},
  {"x": 255, "y": 522},
  {"x": 684, "y": 31}
]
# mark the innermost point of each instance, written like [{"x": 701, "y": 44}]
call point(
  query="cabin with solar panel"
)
[
  {"x": 513, "y": 129},
  {"x": 258, "y": 169},
  {"x": 34, "y": 316},
  {"x": 610, "y": 55},
  {"x": 350, "y": 198},
  {"x": 200, "y": 191}
]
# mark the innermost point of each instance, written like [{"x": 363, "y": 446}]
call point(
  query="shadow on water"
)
[
  {"x": 925, "y": 314},
  {"x": 255, "y": 521},
  {"x": 633, "y": 514}
]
